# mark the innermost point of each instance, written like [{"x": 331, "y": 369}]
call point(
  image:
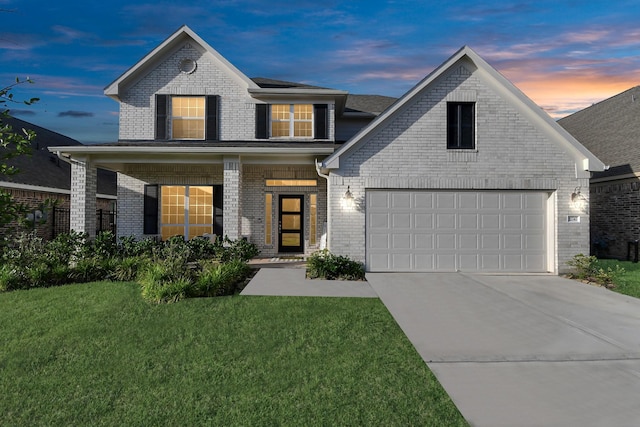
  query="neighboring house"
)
[
  {"x": 464, "y": 172},
  {"x": 43, "y": 176},
  {"x": 611, "y": 130}
]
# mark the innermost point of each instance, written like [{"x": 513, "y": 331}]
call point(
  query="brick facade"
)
[
  {"x": 84, "y": 180},
  {"x": 614, "y": 216},
  {"x": 244, "y": 189},
  {"x": 410, "y": 153},
  {"x": 34, "y": 200}
]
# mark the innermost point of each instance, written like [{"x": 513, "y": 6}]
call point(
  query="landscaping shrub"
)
[
  {"x": 221, "y": 279},
  {"x": 167, "y": 271},
  {"x": 10, "y": 278},
  {"x": 325, "y": 265},
  {"x": 166, "y": 280},
  {"x": 587, "y": 268}
]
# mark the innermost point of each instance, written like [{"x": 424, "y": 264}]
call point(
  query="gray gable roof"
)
[
  {"x": 610, "y": 129},
  {"x": 43, "y": 168},
  {"x": 372, "y": 104},
  {"x": 266, "y": 83}
]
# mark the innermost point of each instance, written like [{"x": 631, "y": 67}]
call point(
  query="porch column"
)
[
  {"x": 83, "y": 197},
  {"x": 232, "y": 197}
]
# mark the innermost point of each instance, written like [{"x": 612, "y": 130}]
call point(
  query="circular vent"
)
[{"x": 188, "y": 66}]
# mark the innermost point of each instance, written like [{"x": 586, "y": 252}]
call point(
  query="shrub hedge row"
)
[{"x": 167, "y": 270}]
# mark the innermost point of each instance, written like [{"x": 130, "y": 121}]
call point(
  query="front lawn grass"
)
[
  {"x": 627, "y": 283},
  {"x": 97, "y": 354}
]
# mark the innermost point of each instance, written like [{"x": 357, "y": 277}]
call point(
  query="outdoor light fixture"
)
[
  {"x": 578, "y": 200},
  {"x": 348, "y": 200}
]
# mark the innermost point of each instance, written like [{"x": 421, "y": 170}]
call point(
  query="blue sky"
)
[{"x": 563, "y": 54}]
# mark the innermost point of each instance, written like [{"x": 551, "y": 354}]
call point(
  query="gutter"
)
[{"x": 320, "y": 174}]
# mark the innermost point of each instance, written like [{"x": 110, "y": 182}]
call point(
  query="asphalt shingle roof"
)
[
  {"x": 610, "y": 129},
  {"x": 43, "y": 168}
]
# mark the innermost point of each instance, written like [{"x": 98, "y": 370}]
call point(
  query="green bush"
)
[
  {"x": 325, "y": 265},
  {"x": 126, "y": 269},
  {"x": 167, "y": 271},
  {"x": 10, "y": 278},
  {"x": 220, "y": 279},
  {"x": 166, "y": 280},
  {"x": 587, "y": 268}
]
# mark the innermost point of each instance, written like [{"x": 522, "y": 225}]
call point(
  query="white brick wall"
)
[
  {"x": 410, "y": 152},
  {"x": 237, "y": 107},
  {"x": 137, "y": 107},
  {"x": 83, "y": 197}
]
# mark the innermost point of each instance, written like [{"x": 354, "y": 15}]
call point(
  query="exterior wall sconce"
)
[
  {"x": 578, "y": 200},
  {"x": 347, "y": 200}
]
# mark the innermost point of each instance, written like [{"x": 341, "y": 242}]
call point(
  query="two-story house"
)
[{"x": 463, "y": 172}]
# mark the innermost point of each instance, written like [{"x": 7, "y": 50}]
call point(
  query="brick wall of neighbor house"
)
[
  {"x": 35, "y": 199},
  {"x": 614, "y": 217},
  {"x": 131, "y": 188},
  {"x": 237, "y": 108},
  {"x": 410, "y": 152},
  {"x": 253, "y": 202}
]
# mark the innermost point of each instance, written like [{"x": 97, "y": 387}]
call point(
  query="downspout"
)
[{"x": 328, "y": 199}]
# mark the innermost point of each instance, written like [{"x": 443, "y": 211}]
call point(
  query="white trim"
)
[
  {"x": 158, "y": 149},
  {"x": 29, "y": 187}
]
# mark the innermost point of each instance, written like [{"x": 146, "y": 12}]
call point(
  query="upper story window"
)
[
  {"x": 187, "y": 117},
  {"x": 461, "y": 125},
  {"x": 302, "y": 121},
  {"x": 292, "y": 120}
]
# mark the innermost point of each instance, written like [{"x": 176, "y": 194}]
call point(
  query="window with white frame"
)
[{"x": 291, "y": 120}]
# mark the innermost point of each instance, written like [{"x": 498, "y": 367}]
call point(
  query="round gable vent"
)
[{"x": 188, "y": 66}]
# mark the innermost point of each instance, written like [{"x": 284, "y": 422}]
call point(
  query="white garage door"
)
[{"x": 456, "y": 231}]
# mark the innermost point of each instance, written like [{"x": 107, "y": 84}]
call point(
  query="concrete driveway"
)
[{"x": 523, "y": 350}]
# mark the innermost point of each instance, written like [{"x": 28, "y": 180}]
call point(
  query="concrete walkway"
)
[
  {"x": 523, "y": 350},
  {"x": 292, "y": 282}
]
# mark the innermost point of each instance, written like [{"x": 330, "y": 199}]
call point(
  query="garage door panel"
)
[
  {"x": 379, "y": 220},
  {"x": 512, "y": 222},
  {"x": 468, "y": 241},
  {"x": 401, "y": 200},
  {"x": 378, "y": 200},
  {"x": 423, "y": 200},
  {"x": 469, "y": 221},
  {"x": 415, "y": 230},
  {"x": 468, "y": 201},
  {"x": 423, "y": 241},
  {"x": 423, "y": 221},
  {"x": 446, "y": 221},
  {"x": 401, "y": 241},
  {"x": 401, "y": 220},
  {"x": 490, "y": 221},
  {"x": 379, "y": 241},
  {"x": 401, "y": 262},
  {"x": 445, "y": 201},
  {"x": 445, "y": 241}
]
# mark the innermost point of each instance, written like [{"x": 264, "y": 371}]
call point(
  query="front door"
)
[{"x": 290, "y": 229}]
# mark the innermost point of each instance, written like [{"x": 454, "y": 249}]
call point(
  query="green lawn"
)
[
  {"x": 629, "y": 282},
  {"x": 97, "y": 354}
]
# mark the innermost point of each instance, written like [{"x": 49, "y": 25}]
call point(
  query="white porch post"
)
[
  {"x": 232, "y": 197},
  {"x": 83, "y": 197}
]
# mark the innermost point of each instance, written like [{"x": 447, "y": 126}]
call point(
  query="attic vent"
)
[{"x": 188, "y": 66}]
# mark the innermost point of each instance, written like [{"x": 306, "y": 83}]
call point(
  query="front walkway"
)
[{"x": 283, "y": 278}]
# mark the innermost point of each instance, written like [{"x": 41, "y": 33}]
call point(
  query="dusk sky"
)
[{"x": 565, "y": 55}]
